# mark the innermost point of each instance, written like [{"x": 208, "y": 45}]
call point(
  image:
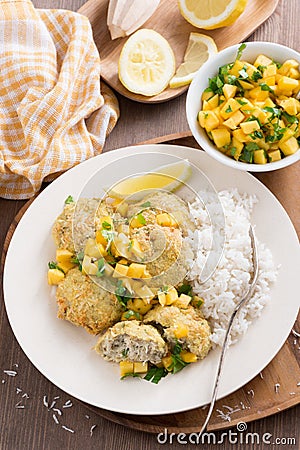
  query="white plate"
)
[{"x": 63, "y": 352}]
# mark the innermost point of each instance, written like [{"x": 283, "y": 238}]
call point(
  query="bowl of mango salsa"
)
[{"x": 243, "y": 106}]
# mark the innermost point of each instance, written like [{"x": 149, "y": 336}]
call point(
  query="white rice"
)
[{"x": 224, "y": 289}]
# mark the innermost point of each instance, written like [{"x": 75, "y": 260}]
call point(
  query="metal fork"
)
[{"x": 242, "y": 303}]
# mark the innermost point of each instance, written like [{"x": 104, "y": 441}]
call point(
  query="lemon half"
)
[
  {"x": 146, "y": 63},
  {"x": 199, "y": 49},
  {"x": 168, "y": 177},
  {"x": 210, "y": 14}
]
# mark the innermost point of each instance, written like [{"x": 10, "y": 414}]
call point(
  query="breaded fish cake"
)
[
  {"x": 84, "y": 303},
  {"x": 133, "y": 341},
  {"x": 171, "y": 318}
]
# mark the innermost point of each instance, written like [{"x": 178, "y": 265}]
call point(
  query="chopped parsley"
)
[
  {"x": 101, "y": 268},
  {"x": 146, "y": 205},
  {"x": 266, "y": 87},
  {"x": 155, "y": 374},
  {"x": 141, "y": 219},
  {"x": 228, "y": 110},
  {"x": 77, "y": 259},
  {"x": 54, "y": 265},
  {"x": 122, "y": 294},
  {"x": 240, "y": 51},
  {"x": 185, "y": 289},
  {"x": 125, "y": 352},
  {"x": 256, "y": 76},
  {"x": 106, "y": 225},
  {"x": 177, "y": 362},
  {"x": 129, "y": 314},
  {"x": 130, "y": 374},
  {"x": 69, "y": 200}
]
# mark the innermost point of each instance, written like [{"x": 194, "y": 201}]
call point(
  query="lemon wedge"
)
[
  {"x": 199, "y": 49},
  {"x": 146, "y": 63},
  {"x": 211, "y": 14},
  {"x": 168, "y": 177}
]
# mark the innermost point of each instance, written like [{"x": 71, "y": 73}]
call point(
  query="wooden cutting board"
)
[
  {"x": 168, "y": 21},
  {"x": 276, "y": 388}
]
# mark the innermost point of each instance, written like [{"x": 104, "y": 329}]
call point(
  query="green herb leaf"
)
[
  {"x": 141, "y": 219},
  {"x": 130, "y": 374},
  {"x": 240, "y": 51},
  {"x": 128, "y": 314},
  {"x": 265, "y": 87},
  {"x": 232, "y": 151},
  {"x": 251, "y": 146},
  {"x": 101, "y": 268},
  {"x": 125, "y": 352},
  {"x": 155, "y": 374},
  {"x": 243, "y": 73},
  {"x": 146, "y": 205},
  {"x": 69, "y": 200},
  {"x": 290, "y": 119},
  {"x": 77, "y": 259},
  {"x": 186, "y": 289},
  {"x": 106, "y": 225},
  {"x": 241, "y": 102},
  {"x": 228, "y": 109},
  {"x": 54, "y": 265},
  {"x": 256, "y": 76}
]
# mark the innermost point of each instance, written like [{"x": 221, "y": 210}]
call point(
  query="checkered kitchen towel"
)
[{"x": 53, "y": 113}]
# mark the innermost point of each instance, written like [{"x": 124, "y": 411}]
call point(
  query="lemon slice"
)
[
  {"x": 146, "y": 63},
  {"x": 199, "y": 49},
  {"x": 210, "y": 14},
  {"x": 168, "y": 177}
]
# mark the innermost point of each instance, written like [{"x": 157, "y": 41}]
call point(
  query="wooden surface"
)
[
  {"x": 33, "y": 427},
  {"x": 168, "y": 21}
]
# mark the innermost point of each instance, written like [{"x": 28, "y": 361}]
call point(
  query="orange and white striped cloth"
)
[{"x": 53, "y": 112}]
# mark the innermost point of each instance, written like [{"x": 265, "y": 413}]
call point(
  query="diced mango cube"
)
[
  {"x": 126, "y": 367},
  {"x": 138, "y": 305},
  {"x": 230, "y": 107},
  {"x": 240, "y": 135},
  {"x": 120, "y": 271},
  {"x": 183, "y": 301},
  {"x": 289, "y": 147},
  {"x": 208, "y": 120},
  {"x": 250, "y": 126},
  {"x": 63, "y": 255},
  {"x": 246, "y": 85},
  {"x": 290, "y": 106},
  {"x": 205, "y": 106},
  {"x": 287, "y": 83},
  {"x": 140, "y": 367},
  {"x": 136, "y": 270},
  {"x": 167, "y": 362},
  {"x": 229, "y": 91},
  {"x": 270, "y": 71},
  {"x": 238, "y": 146},
  {"x": 262, "y": 60},
  {"x": 207, "y": 95},
  {"x": 270, "y": 81},
  {"x": 287, "y": 66},
  {"x": 213, "y": 102},
  {"x": 229, "y": 123},
  {"x": 162, "y": 298},
  {"x": 136, "y": 223},
  {"x": 260, "y": 157},
  {"x": 294, "y": 73},
  {"x": 100, "y": 239},
  {"x": 274, "y": 155},
  {"x": 237, "y": 66},
  {"x": 171, "y": 296},
  {"x": 288, "y": 133},
  {"x": 221, "y": 137},
  {"x": 66, "y": 266},
  {"x": 258, "y": 94},
  {"x": 181, "y": 330},
  {"x": 55, "y": 276},
  {"x": 188, "y": 357}
]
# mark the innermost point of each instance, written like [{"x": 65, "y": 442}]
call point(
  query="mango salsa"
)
[{"x": 251, "y": 110}]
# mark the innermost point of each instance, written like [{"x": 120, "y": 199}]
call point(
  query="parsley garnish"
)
[
  {"x": 240, "y": 51},
  {"x": 146, "y": 205},
  {"x": 177, "y": 362},
  {"x": 265, "y": 87},
  {"x": 228, "y": 110},
  {"x": 141, "y": 219},
  {"x": 125, "y": 352},
  {"x": 122, "y": 294},
  {"x": 77, "y": 259},
  {"x": 256, "y": 76},
  {"x": 232, "y": 151},
  {"x": 106, "y": 225},
  {"x": 185, "y": 289},
  {"x": 130, "y": 374},
  {"x": 290, "y": 119},
  {"x": 54, "y": 265},
  {"x": 128, "y": 314},
  {"x": 69, "y": 200},
  {"x": 155, "y": 374},
  {"x": 241, "y": 102},
  {"x": 101, "y": 268}
]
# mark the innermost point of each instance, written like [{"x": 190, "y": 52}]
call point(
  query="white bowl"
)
[{"x": 279, "y": 53}]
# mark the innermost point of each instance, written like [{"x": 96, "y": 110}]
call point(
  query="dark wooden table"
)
[{"x": 25, "y": 421}]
